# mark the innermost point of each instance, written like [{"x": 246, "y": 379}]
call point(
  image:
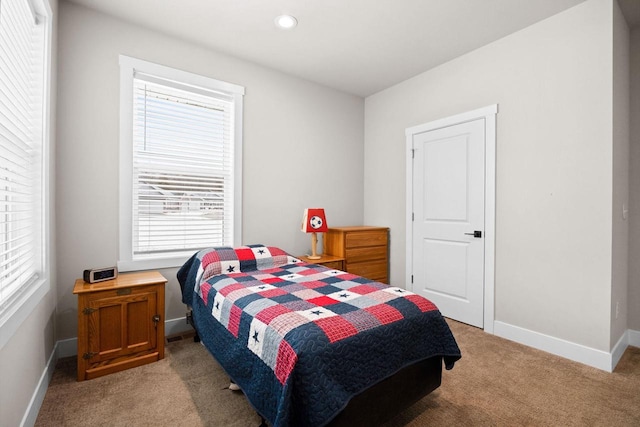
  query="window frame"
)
[
  {"x": 12, "y": 317},
  {"x": 128, "y": 66}
]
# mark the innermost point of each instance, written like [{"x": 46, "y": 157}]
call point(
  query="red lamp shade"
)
[{"x": 314, "y": 221}]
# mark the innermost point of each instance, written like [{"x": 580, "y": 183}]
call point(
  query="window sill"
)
[{"x": 153, "y": 263}]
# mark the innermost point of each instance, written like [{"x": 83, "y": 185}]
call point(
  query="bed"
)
[{"x": 312, "y": 346}]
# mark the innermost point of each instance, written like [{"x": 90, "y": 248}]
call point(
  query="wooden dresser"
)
[
  {"x": 120, "y": 323},
  {"x": 365, "y": 250}
]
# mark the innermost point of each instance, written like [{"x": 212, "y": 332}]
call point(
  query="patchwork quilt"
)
[{"x": 301, "y": 339}]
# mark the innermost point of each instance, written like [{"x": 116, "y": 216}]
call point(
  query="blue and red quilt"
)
[{"x": 301, "y": 339}]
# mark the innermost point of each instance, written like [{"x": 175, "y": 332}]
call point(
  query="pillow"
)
[{"x": 228, "y": 260}]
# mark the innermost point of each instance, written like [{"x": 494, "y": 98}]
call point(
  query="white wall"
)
[
  {"x": 620, "y": 247},
  {"x": 24, "y": 357},
  {"x": 634, "y": 201},
  {"x": 303, "y": 147},
  {"x": 552, "y": 82},
  {"x": 23, "y": 360}
]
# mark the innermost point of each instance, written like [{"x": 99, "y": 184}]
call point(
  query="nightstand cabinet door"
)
[
  {"x": 365, "y": 250},
  {"x": 121, "y": 325}
]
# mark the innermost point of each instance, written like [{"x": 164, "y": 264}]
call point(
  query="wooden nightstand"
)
[
  {"x": 365, "y": 250},
  {"x": 120, "y": 323},
  {"x": 329, "y": 261}
]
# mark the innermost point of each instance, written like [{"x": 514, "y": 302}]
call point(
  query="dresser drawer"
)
[
  {"x": 336, "y": 265},
  {"x": 366, "y": 238},
  {"x": 374, "y": 270},
  {"x": 374, "y": 253}
]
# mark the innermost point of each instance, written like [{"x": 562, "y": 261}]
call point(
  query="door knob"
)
[{"x": 476, "y": 234}]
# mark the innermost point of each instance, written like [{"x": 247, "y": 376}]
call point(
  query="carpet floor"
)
[{"x": 496, "y": 383}]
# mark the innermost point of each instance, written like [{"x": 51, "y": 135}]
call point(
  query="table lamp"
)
[{"x": 314, "y": 221}]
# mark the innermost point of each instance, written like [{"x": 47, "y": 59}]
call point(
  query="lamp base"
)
[{"x": 314, "y": 242}]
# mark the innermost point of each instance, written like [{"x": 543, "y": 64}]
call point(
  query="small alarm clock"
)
[{"x": 100, "y": 274}]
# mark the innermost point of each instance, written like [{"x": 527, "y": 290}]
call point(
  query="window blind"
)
[
  {"x": 21, "y": 148},
  {"x": 182, "y": 167}
]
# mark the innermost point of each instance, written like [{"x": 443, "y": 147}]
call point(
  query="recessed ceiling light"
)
[{"x": 286, "y": 22}]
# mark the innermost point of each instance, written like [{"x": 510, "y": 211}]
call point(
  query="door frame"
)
[{"x": 487, "y": 113}]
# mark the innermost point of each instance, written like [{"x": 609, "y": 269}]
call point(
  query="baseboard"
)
[
  {"x": 176, "y": 326},
  {"x": 579, "y": 353},
  {"x": 31, "y": 414},
  {"x": 618, "y": 350},
  {"x": 634, "y": 338},
  {"x": 67, "y": 348}
]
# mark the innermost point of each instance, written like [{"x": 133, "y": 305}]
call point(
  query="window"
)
[
  {"x": 24, "y": 65},
  {"x": 180, "y": 164}
]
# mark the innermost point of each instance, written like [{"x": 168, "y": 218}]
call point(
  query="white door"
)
[{"x": 448, "y": 219}]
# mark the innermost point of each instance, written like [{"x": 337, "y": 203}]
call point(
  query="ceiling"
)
[{"x": 357, "y": 46}]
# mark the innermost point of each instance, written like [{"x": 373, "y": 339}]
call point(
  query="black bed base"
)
[
  {"x": 190, "y": 321},
  {"x": 391, "y": 396}
]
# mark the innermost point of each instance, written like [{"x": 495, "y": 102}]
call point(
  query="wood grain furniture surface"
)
[
  {"x": 120, "y": 323},
  {"x": 329, "y": 261},
  {"x": 364, "y": 248}
]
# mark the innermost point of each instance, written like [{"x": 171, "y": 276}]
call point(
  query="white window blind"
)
[
  {"x": 183, "y": 160},
  {"x": 22, "y": 61}
]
